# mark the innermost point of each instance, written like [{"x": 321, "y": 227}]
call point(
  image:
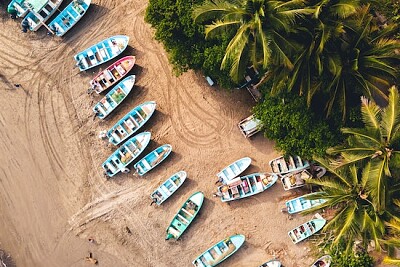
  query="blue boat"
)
[
  {"x": 111, "y": 100},
  {"x": 152, "y": 159},
  {"x": 302, "y": 203},
  {"x": 40, "y": 12},
  {"x": 101, "y": 52},
  {"x": 164, "y": 191},
  {"x": 246, "y": 186},
  {"x": 219, "y": 252},
  {"x": 233, "y": 170},
  {"x": 306, "y": 230},
  {"x": 185, "y": 216},
  {"x": 131, "y": 122},
  {"x": 69, "y": 16},
  {"x": 123, "y": 156},
  {"x": 272, "y": 263}
]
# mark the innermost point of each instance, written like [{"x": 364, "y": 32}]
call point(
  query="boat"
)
[
  {"x": 131, "y": 122},
  {"x": 21, "y": 6},
  {"x": 219, "y": 252},
  {"x": 324, "y": 261},
  {"x": 123, "y": 156},
  {"x": 39, "y": 13},
  {"x": 246, "y": 186},
  {"x": 169, "y": 187},
  {"x": 306, "y": 230},
  {"x": 101, "y": 52},
  {"x": 112, "y": 74},
  {"x": 69, "y": 17},
  {"x": 302, "y": 203},
  {"x": 151, "y": 160},
  {"x": 282, "y": 166},
  {"x": 249, "y": 126},
  {"x": 233, "y": 170},
  {"x": 111, "y": 100},
  {"x": 185, "y": 216},
  {"x": 295, "y": 180},
  {"x": 272, "y": 263}
]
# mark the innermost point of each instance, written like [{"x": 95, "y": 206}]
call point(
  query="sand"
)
[{"x": 53, "y": 195}]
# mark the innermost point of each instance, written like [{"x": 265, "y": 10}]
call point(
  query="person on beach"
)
[
  {"x": 12, "y": 11},
  {"x": 25, "y": 25}
]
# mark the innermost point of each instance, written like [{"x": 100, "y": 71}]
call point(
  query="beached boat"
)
[
  {"x": 246, "y": 186},
  {"x": 324, "y": 261},
  {"x": 301, "y": 203},
  {"x": 101, "y": 52},
  {"x": 40, "y": 12},
  {"x": 151, "y": 160},
  {"x": 123, "y": 156},
  {"x": 249, "y": 126},
  {"x": 219, "y": 252},
  {"x": 169, "y": 187},
  {"x": 131, "y": 122},
  {"x": 69, "y": 17},
  {"x": 21, "y": 6},
  {"x": 185, "y": 216},
  {"x": 112, "y": 74},
  {"x": 295, "y": 180},
  {"x": 272, "y": 263},
  {"x": 306, "y": 230},
  {"x": 111, "y": 100},
  {"x": 235, "y": 169},
  {"x": 281, "y": 165}
]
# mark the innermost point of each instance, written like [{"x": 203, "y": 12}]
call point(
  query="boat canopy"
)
[{"x": 37, "y": 5}]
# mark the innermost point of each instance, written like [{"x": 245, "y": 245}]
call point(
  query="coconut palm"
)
[
  {"x": 260, "y": 26},
  {"x": 377, "y": 142}
]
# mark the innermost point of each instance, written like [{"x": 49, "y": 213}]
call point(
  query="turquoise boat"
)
[
  {"x": 40, "y": 12},
  {"x": 111, "y": 100},
  {"x": 246, "y": 186},
  {"x": 281, "y": 165},
  {"x": 101, "y": 52},
  {"x": 21, "y": 6},
  {"x": 272, "y": 263},
  {"x": 151, "y": 160},
  {"x": 306, "y": 230},
  {"x": 302, "y": 203},
  {"x": 185, "y": 216},
  {"x": 324, "y": 261},
  {"x": 219, "y": 252},
  {"x": 169, "y": 187},
  {"x": 234, "y": 169},
  {"x": 123, "y": 156},
  {"x": 69, "y": 17},
  {"x": 131, "y": 122}
]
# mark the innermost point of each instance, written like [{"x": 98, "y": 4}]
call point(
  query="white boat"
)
[
  {"x": 249, "y": 126},
  {"x": 281, "y": 165},
  {"x": 306, "y": 230},
  {"x": 295, "y": 180},
  {"x": 169, "y": 187},
  {"x": 40, "y": 12},
  {"x": 302, "y": 203},
  {"x": 272, "y": 263},
  {"x": 234, "y": 169},
  {"x": 324, "y": 261}
]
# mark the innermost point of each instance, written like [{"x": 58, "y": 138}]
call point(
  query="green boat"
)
[
  {"x": 219, "y": 252},
  {"x": 185, "y": 216}
]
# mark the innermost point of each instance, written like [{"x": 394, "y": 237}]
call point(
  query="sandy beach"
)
[{"x": 53, "y": 195}]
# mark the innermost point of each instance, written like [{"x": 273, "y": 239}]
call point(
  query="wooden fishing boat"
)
[
  {"x": 131, "y": 122},
  {"x": 301, "y": 203},
  {"x": 233, "y": 170},
  {"x": 295, "y": 180},
  {"x": 111, "y": 100},
  {"x": 40, "y": 12},
  {"x": 246, "y": 186},
  {"x": 249, "y": 126},
  {"x": 169, "y": 187},
  {"x": 272, "y": 263},
  {"x": 101, "y": 52},
  {"x": 21, "y": 6},
  {"x": 123, "y": 156},
  {"x": 324, "y": 261},
  {"x": 219, "y": 252},
  {"x": 306, "y": 230},
  {"x": 185, "y": 216},
  {"x": 112, "y": 74},
  {"x": 281, "y": 165},
  {"x": 69, "y": 17},
  {"x": 151, "y": 160}
]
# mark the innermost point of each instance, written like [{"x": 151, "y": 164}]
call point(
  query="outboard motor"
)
[{"x": 25, "y": 25}]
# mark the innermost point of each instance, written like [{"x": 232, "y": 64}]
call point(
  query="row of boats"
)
[{"x": 37, "y": 12}]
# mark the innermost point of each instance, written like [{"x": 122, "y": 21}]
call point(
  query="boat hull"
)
[
  {"x": 324, "y": 261},
  {"x": 294, "y": 164},
  {"x": 153, "y": 159},
  {"x": 272, "y": 263},
  {"x": 306, "y": 230},
  {"x": 234, "y": 169},
  {"x": 169, "y": 187},
  {"x": 301, "y": 203}
]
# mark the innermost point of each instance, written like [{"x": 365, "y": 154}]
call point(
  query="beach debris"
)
[{"x": 90, "y": 259}]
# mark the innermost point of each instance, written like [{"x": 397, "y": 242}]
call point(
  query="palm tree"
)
[
  {"x": 377, "y": 142},
  {"x": 260, "y": 27}
]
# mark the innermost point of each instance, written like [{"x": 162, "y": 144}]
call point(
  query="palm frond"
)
[
  {"x": 370, "y": 113},
  {"x": 391, "y": 261},
  {"x": 391, "y": 115},
  {"x": 219, "y": 26},
  {"x": 213, "y": 9},
  {"x": 376, "y": 184}
]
